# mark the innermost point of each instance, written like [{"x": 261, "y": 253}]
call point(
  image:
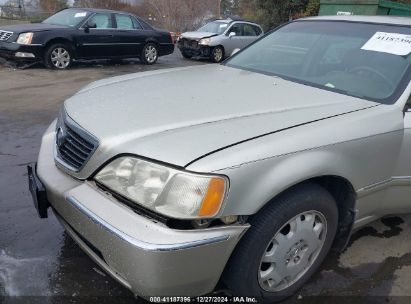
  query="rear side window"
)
[
  {"x": 249, "y": 30},
  {"x": 257, "y": 30},
  {"x": 124, "y": 22},
  {"x": 144, "y": 24},
  {"x": 102, "y": 21}
]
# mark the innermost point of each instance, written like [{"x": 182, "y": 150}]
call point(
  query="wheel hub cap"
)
[
  {"x": 60, "y": 58},
  {"x": 151, "y": 54},
  {"x": 292, "y": 251},
  {"x": 218, "y": 54}
]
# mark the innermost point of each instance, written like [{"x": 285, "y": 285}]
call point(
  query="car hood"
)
[
  {"x": 31, "y": 27},
  {"x": 197, "y": 35},
  {"x": 179, "y": 115}
]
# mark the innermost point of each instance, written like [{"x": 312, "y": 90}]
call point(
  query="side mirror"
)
[
  {"x": 235, "y": 51},
  {"x": 231, "y": 35},
  {"x": 89, "y": 25}
]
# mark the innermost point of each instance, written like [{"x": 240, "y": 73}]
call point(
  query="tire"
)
[
  {"x": 247, "y": 275},
  {"x": 149, "y": 55},
  {"x": 217, "y": 54},
  {"x": 59, "y": 56},
  {"x": 186, "y": 55}
]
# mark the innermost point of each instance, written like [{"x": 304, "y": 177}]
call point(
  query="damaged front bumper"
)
[
  {"x": 203, "y": 51},
  {"x": 145, "y": 256}
]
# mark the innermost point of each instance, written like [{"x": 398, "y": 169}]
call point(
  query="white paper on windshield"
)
[
  {"x": 79, "y": 15},
  {"x": 392, "y": 43}
]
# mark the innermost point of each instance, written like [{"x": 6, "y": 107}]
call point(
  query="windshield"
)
[
  {"x": 68, "y": 17},
  {"x": 215, "y": 27},
  {"x": 369, "y": 61}
]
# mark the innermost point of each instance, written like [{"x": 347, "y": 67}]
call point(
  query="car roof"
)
[
  {"x": 229, "y": 21},
  {"x": 98, "y": 10},
  {"x": 367, "y": 19}
]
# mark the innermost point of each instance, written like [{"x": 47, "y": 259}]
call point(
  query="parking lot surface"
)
[{"x": 40, "y": 263}]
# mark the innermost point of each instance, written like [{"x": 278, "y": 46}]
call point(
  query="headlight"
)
[
  {"x": 25, "y": 38},
  {"x": 205, "y": 41},
  {"x": 165, "y": 190}
]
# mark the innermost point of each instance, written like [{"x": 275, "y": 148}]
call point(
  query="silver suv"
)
[{"x": 218, "y": 39}]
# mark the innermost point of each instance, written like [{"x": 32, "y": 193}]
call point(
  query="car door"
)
[
  {"x": 399, "y": 192},
  {"x": 250, "y": 33},
  {"x": 129, "y": 36},
  {"x": 234, "y": 38},
  {"x": 96, "y": 39}
]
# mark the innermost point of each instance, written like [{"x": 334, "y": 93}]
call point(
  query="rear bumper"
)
[
  {"x": 14, "y": 51},
  {"x": 166, "y": 49},
  {"x": 145, "y": 256}
]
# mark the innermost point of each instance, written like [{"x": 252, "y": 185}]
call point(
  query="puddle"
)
[{"x": 19, "y": 276}]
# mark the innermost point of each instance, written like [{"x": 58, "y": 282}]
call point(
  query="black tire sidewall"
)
[
  {"x": 185, "y": 55},
  {"x": 241, "y": 274},
  {"x": 213, "y": 52},
  {"x": 143, "y": 57},
  {"x": 47, "y": 56}
]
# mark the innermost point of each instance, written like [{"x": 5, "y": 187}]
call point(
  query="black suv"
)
[{"x": 79, "y": 33}]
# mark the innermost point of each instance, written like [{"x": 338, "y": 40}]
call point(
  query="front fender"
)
[
  {"x": 361, "y": 147},
  {"x": 254, "y": 185}
]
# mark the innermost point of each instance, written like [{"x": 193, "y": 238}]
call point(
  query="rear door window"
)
[
  {"x": 249, "y": 30},
  {"x": 124, "y": 22}
]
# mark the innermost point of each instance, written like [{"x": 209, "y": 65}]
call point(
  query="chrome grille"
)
[
  {"x": 74, "y": 145},
  {"x": 5, "y": 35}
]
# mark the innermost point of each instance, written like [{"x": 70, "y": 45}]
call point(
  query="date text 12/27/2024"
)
[{"x": 205, "y": 299}]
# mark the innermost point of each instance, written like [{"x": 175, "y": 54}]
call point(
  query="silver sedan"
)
[{"x": 247, "y": 172}]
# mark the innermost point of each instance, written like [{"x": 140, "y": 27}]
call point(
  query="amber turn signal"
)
[{"x": 214, "y": 197}]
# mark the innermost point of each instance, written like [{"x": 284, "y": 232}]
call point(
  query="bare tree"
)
[
  {"x": 181, "y": 15},
  {"x": 107, "y": 4},
  {"x": 52, "y": 5}
]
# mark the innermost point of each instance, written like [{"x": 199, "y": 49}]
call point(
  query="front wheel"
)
[
  {"x": 217, "y": 54},
  {"x": 58, "y": 56},
  {"x": 149, "y": 54},
  {"x": 285, "y": 245}
]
